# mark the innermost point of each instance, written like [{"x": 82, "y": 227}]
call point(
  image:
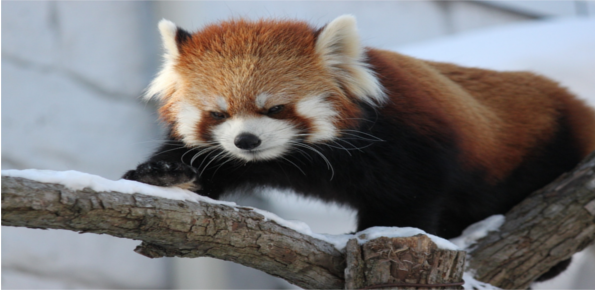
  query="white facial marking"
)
[
  {"x": 321, "y": 114},
  {"x": 261, "y": 100},
  {"x": 274, "y": 134},
  {"x": 187, "y": 119},
  {"x": 222, "y": 104}
]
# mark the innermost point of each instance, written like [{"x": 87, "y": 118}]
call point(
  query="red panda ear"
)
[
  {"x": 173, "y": 37},
  {"x": 340, "y": 49}
]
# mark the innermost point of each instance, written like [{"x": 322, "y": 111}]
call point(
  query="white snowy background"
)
[{"x": 72, "y": 73}]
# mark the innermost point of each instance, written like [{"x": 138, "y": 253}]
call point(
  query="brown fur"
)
[{"x": 498, "y": 118}]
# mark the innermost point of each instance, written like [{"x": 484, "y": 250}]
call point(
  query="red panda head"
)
[{"x": 258, "y": 88}]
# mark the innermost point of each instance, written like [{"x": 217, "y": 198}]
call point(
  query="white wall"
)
[{"x": 71, "y": 75}]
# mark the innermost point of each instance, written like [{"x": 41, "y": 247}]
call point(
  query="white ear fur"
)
[
  {"x": 165, "y": 82},
  {"x": 168, "y": 32},
  {"x": 339, "y": 46}
]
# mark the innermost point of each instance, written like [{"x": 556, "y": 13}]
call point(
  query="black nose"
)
[{"x": 247, "y": 141}]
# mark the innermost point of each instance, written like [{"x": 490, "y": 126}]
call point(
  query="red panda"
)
[{"x": 403, "y": 141}]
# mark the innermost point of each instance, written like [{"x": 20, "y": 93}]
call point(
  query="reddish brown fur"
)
[
  {"x": 498, "y": 117},
  {"x": 238, "y": 60},
  {"x": 206, "y": 124}
]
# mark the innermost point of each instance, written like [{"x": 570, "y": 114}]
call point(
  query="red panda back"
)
[{"x": 497, "y": 118}]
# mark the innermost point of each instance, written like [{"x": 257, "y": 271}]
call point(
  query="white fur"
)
[
  {"x": 168, "y": 32},
  {"x": 261, "y": 100},
  {"x": 166, "y": 80},
  {"x": 164, "y": 84},
  {"x": 339, "y": 46},
  {"x": 322, "y": 115},
  {"x": 222, "y": 104},
  {"x": 274, "y": 134},
  {"x": 187, "y": 119}
]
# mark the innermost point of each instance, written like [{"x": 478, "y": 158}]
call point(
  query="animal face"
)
[{"x": 258, "y": 89}]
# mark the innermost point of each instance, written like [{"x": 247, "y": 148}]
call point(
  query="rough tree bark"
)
[
  {"x": 548, "y": 227},
  {"x": 402, "y": 263},
  {"x": 176, "y": 228}
]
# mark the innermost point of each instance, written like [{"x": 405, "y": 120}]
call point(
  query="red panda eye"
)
[
  {"x": 218, "y": 115},
  {"x": 275, "y": 109}
]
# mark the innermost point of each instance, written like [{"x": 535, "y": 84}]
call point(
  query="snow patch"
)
[
  {"x": 468, "y": 238},
  {"x": 298, "y": 226},
  {"x": 393, "y": 232},
  {"x": 76, "y": 180},
  {"x": 472, "y": 284},
  {"x": 340, "y": 241},
  {"x": 477, "y": 231}
]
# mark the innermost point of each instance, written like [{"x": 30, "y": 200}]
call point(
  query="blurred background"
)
[{"x": 73, "y": 71}]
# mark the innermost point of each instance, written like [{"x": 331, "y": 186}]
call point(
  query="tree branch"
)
[
  {"x": 176, "y": 228},
  {"x": 546, "y": 228}
]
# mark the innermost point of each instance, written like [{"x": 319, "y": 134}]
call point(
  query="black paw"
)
[{"x": 162, "y": 173}]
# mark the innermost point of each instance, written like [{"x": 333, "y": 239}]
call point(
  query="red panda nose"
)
[{"x": 247, "y": 141}]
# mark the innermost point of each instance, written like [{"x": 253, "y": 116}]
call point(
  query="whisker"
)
[
  {"x": 360, "y": 132},
  {"x": 212, "y": 159},
  {"x": 328, "y": 164},
  {"x": 302, "y": 152},
  {"x": 168, "y": 150},
  {"x": 335, "y": 142},
  {"x": 189, "y": 150},
  {"x": 362, "y": 119},
  {"x": 293, "y": 165},
  {"x": 210, "y": 150},
  {"x": 356, "y": 137},
  {"x": 229, "y": 156},
  {"x": 353, "y": 147}
]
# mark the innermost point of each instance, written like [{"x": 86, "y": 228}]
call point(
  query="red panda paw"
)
[{"x": 164, "y": 173}]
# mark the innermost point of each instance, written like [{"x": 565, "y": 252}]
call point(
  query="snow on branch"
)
[
  {"x": 183, "y": 224},
  {"x": 546, "y": 228}
]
